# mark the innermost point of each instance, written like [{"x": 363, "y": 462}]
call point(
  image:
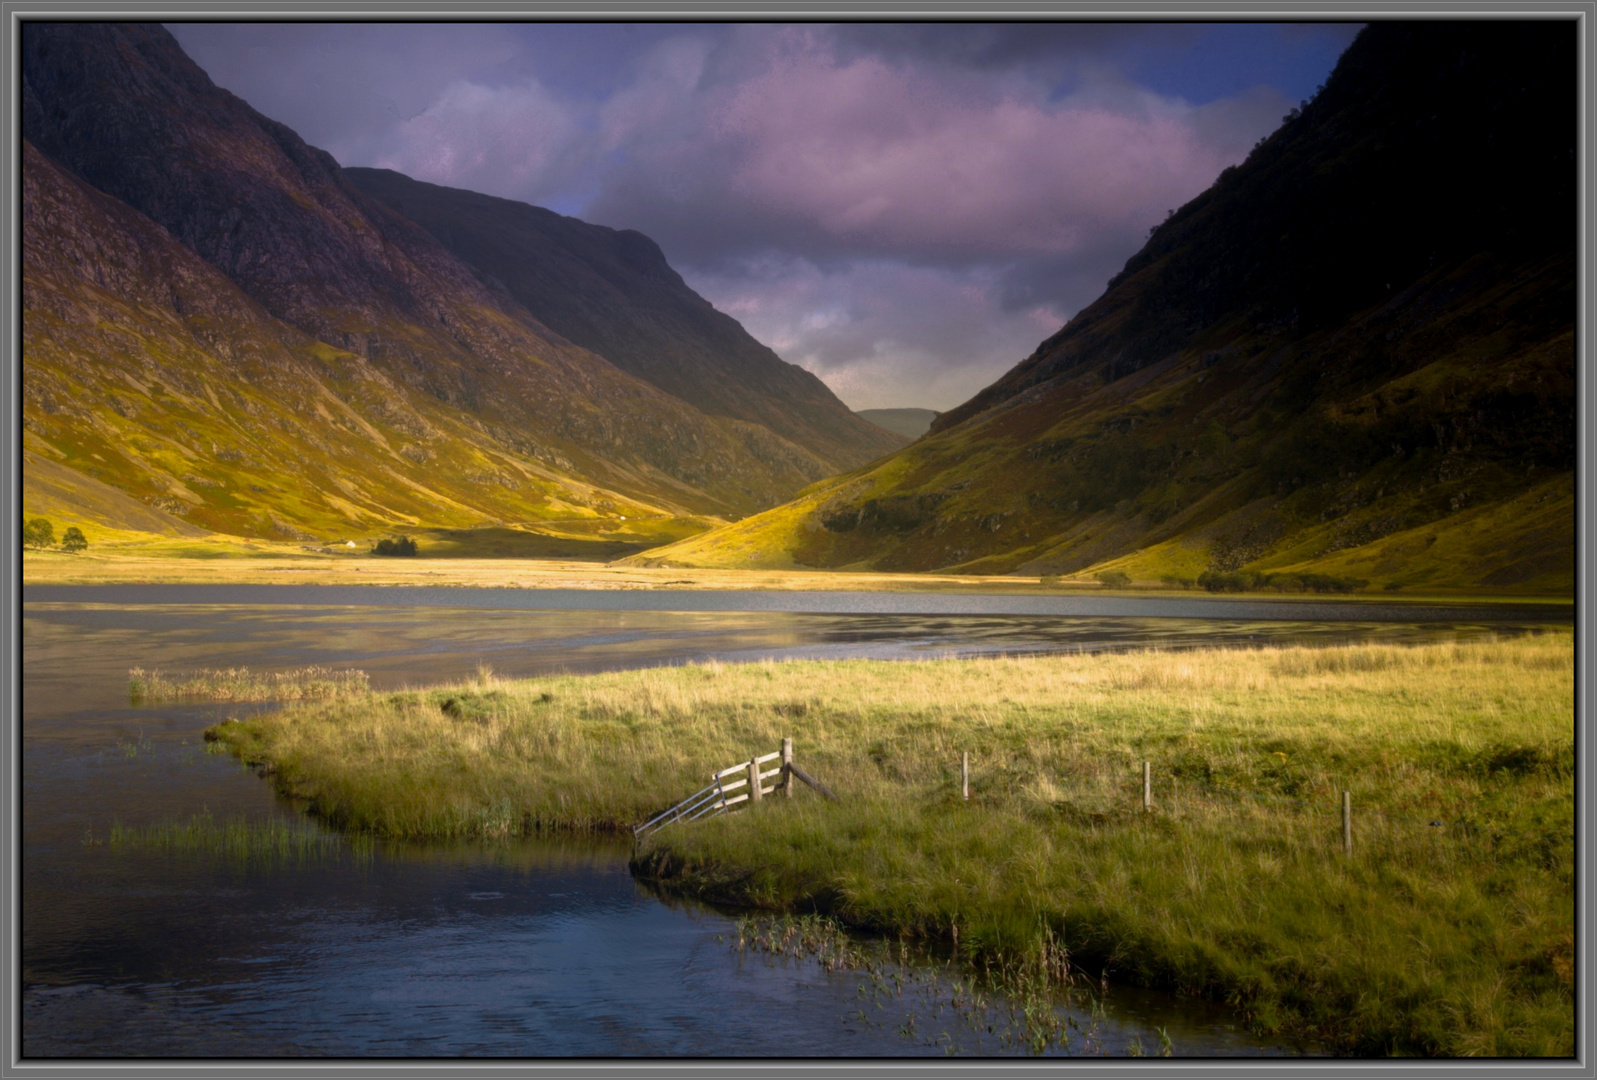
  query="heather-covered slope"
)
[
  {"x": 376, "y": 300},
  {"x": 613, "y": 292},
  {"x": 1353, "y": 356}
]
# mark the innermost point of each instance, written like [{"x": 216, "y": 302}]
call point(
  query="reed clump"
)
[
  {"x": 1449, "y": 930},
  {"x": 238, "y": 840},
  {"x": 242, "y": 684}
]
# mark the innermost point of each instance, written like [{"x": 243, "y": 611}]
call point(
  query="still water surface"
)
[{"x": 538, "y": 948}]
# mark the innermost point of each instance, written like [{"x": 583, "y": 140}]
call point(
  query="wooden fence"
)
[{"x": 718, "y": 797}]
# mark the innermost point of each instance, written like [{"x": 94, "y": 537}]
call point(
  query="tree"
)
[
  {"x": 403, "y": 546},
  {"x": 38, "y": 533},
  {"x": 1113, "y": 579},
  {"x": 73, "y": 539}
]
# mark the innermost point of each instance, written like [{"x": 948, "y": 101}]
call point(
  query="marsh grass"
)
[
  {"x": 269, "y": 842},
  {"x": 1454, "y": 938},
  {"x": 242, "y": 684},
  {"x": 1022, "y": 1001}
]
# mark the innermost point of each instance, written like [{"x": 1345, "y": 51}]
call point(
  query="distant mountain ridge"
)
[
  {"x": 1351, "y": 358},
  {"x": 909, "y": 422},
  {"x": 246, "y": 272}
]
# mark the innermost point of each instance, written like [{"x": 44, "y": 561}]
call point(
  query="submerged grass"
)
[
  {"x": 1020, "y": 1001},
  {"x": 1448, "y": 931},
  {"x": 244, "y": 841},
  {"x": 242, "y": 684}
]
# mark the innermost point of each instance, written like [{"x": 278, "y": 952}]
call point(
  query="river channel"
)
[{"x": 528, "y": 949}]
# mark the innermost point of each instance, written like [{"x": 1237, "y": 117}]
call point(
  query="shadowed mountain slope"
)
[
  {"x": 373, "y": 297},
  {"x": 1352, "y": 357},
  {"x": 612, "y": 291}
]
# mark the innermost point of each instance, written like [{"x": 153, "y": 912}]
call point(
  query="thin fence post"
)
[
  {"x": 754, "y": 780},
  {"x": 964, "y": 775},
  {"x": 787, "y": 768},
  {"x": 1347, "y": 822},
  {"x": 1147, "y": 785}
]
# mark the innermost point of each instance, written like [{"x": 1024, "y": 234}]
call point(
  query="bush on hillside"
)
[{"x": 38, "y": 533}]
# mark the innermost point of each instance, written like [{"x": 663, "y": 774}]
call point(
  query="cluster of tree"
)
[
  {"x": 402, "y": 546},
  {"x": 1252, "y": 580},
  {"x": 38, "y": 533}
]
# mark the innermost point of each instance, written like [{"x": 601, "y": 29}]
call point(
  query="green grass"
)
[{"x": 1431, "y": 939}]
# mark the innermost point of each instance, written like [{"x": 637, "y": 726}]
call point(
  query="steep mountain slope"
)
[
  {"x": 146, "y": 369},
  {"x": 1353, "y": 356},
  {"x": 383, "y": 309},
  {"x": 613, "y": 292}
]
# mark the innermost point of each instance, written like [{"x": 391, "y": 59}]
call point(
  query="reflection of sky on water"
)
[{"x": 536, "y": 948}]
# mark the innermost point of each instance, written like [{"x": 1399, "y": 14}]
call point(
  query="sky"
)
[{"x": 905, "y": 209}]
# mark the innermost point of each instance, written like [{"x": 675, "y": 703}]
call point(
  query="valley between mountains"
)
[
  {"x": 220, "y": 325},
  {"x": 1349, "y": 365}
]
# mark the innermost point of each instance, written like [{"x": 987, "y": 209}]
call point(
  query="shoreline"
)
[{"x": 275, "y": 567}]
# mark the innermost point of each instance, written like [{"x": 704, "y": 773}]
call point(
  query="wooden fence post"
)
[
  {"x": 964, "y": 775},
  {"x": 754, "y": 780},
  {"x": 1347, "y": 822},
  {"x": 1147, "y": 785},
  {"x": 787, "y": 768}
]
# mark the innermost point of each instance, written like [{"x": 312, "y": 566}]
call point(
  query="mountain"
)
[
  {"x": 912, "y": 423},
  {"x": 145, "y": 368},
  {"x": 612, "y": 292},
  {"x": 219, "y": 323},
  {"x": 1351, "y": 359}
]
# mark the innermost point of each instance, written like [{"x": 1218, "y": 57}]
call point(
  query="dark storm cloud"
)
[
  {"x": 1047, "y": 46},
  {"x": 905, "y": 209}
]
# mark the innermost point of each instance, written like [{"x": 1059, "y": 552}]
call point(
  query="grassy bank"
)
[
  {"x": 1447, "y": 938},
  {"x": 232, "y": 561},
  {"x": 116, "y": 559}
]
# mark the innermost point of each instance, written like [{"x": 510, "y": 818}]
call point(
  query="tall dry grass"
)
[{"x": 242, "y": 684}]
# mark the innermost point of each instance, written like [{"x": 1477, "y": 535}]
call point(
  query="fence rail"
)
[
  {"x": 724, "y": 793},
  {"x": 716, "y": 798}
]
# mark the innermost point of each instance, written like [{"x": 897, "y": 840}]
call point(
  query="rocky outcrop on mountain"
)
[
  {"x": 612, "y": 291},
  {"x": 122, "y": 109},
  {"x": 1351, "y": 360}
]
